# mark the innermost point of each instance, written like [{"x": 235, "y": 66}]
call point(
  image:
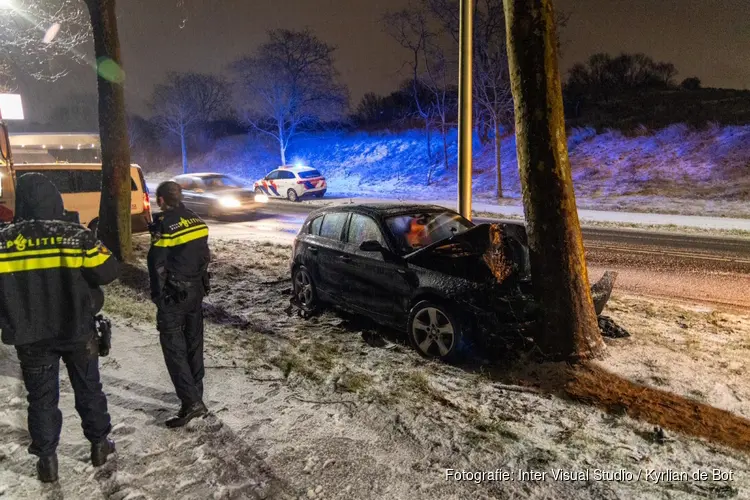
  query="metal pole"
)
[{"x": 465, "y": 107}]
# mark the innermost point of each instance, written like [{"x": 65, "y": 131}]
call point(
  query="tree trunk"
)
[
  {"x": 444, "y": 133},
  {"x": 183, "y": 146},
  {"x": 282, "y": 145},
  {"x": 114, "y": 212},
  {"x": 558, "y": 264},
  {"x": 429, "y": 139},
  {"x": 498, "y": 159}
]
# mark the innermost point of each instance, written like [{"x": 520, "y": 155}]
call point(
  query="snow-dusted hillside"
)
[{"x": 676, "y": 169}]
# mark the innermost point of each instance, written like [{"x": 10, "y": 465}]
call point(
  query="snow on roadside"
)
[
  {"x": 675, "y": 170},
  {"x": 308, "y": 409}
]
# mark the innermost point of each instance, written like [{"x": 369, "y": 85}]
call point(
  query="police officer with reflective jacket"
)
[
  {"x": 50, "y": 273},
  {"x": 178, "y": 270}
]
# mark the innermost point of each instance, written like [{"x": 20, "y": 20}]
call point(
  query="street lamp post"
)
[{"x": 465, "y": 107}]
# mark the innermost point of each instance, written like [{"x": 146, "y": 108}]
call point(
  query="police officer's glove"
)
[{"x": 104, "y": 332}]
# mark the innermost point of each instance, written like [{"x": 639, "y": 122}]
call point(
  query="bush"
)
[{"x": 692, "y": 83}]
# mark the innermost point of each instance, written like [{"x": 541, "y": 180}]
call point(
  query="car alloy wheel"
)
[
  {"x": 304, "y": 289},
  {"x": 433, "y": 331},
  {"x": 292, "y": 195}
]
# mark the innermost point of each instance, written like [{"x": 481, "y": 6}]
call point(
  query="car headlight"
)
[
  {"x": 229, "y": 202},
  {"x": 261, "y": 198}
]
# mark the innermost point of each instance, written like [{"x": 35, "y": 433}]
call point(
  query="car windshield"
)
[
  {"x": 417, "y": 230},
  {"x": 216, "y": 182},
  {"x": 308, "y": 174}
]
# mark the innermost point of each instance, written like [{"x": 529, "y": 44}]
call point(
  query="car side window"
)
[
  {"x": 186, "y": 184},
  {"x": 333, "y": 225},
  {"x": 363, "y": 228},
  {"x": 315, "y": 225},
  {"x": 273, "y": 175},
  {"x": 64, "y": 180},
  {"x": 286, "y": 175},
  {"x": 89, "y": 181}
]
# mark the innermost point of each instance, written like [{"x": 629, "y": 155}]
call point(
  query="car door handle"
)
[
  {"x": 401, "y": 271},
  {"x": 313, "y": 250},
  {"x": 345, "y": 258}
]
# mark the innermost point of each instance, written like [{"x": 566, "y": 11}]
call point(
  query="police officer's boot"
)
[
  {"x": 46, "y": 469},
  {"x": 100, "y": 451},
  {"x": 186, "y": 414}
]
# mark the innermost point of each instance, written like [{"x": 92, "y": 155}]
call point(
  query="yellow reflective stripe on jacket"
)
[
  {"x": 69, "y": 258},
  {"x": 182, "y": 237},
  {"x": 96, "y": 260},
  {"x": 184, "y": 231},
  {"x": 49, "y": 251}
]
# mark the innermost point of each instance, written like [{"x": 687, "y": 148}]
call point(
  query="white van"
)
[{"x": 81, "y": 187}]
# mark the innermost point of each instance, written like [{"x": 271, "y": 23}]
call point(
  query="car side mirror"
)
[{"x": 371, "y": 246}]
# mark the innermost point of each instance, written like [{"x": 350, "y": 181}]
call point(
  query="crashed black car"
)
[{"x": 422, "y": 269}]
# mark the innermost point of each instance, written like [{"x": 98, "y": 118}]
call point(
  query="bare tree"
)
[
  {"x": 289, "y": 84},
  {"x": 409, "y": 28},
  {"x": 558, "y": 263},
  {"x": 114, "y": 211},
  {"x": 42, "y": 37},
  {"x": 188, "y": 99},
  {"x": 431, "y": 70},
  {"x": 492, "y": 95},
  {"x": 491, "y": 77}
]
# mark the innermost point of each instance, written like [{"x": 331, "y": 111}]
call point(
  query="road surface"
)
[{"x": 692, "y": 268}]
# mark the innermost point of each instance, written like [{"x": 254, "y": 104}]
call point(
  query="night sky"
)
[{"x": 705, "y": 38}]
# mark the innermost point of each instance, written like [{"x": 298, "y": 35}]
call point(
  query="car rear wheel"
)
[
  {"x": 434, "y": 331},
  {"x": 292, "y": 195},
  {"x": 305, "y": 293}
]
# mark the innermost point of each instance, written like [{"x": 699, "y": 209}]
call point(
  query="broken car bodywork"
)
[{"x": 491, "y": 273}]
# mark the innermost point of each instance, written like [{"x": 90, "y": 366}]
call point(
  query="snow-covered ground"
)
[
  {"x": 334, "y": 407},
  {"x": 676, "y": 170}
]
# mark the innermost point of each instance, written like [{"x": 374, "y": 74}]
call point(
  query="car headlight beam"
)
[{"x": 229, "y": 202}]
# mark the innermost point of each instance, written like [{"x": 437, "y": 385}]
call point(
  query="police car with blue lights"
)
[{"x": 292, "y": 183}]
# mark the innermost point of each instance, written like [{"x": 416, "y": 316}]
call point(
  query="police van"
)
[{"x": 79, "y": 182}]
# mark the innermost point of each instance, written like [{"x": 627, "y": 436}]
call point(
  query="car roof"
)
[
  {"x": 202, "y": 175},
  {"x": 381, "y": 209},
  {"x": 292, "y": 168}
]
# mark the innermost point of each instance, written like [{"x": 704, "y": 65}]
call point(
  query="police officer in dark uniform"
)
[
  {"x": 178, "y": 270},
  {"x": 50, "y": 273}
]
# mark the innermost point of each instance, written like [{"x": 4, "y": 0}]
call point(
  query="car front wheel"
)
[
  {"x": 292, "y": 195},
  {"x": 305, "y": 293},
  {"x": 434, "y": 331}
]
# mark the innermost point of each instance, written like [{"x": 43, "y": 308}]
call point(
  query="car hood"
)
[
  {"x": 476, "y": 254},
  {"x": 238, "y": 192},
  {"x": 479, "y": 255}
]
